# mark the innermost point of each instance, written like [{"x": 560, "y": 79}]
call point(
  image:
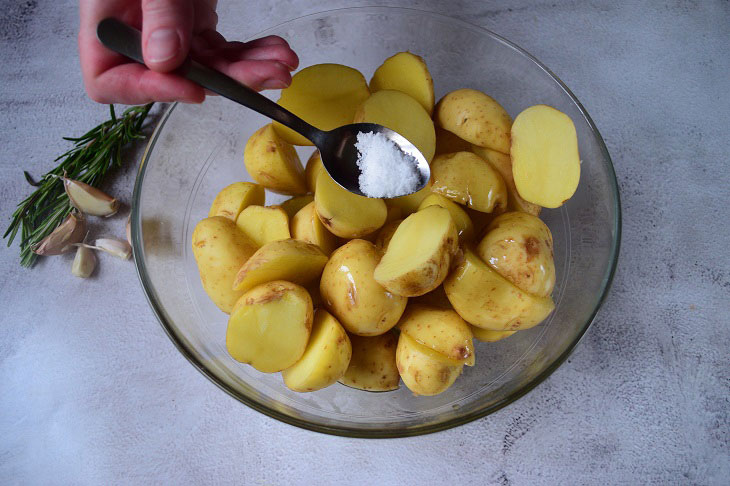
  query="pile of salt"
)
[{"x": 385, "y": 170}]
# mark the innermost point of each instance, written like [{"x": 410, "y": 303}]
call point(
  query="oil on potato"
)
[
  {"x": 372, "y": 366},
  {"x": 269, "y": 326},
  {"x": 274, "y": 163},
  {"x": 220, "y": 249},
  {"x": 306, "y": 226},
  {"x": 441, "y": 330},
  {"x": 469, "y": 180},
  {"x": 423, "y": 371},
  {"x": 235, "y": 198},
  {"x": 463, "y": 223},
  {"x": 408, "y": 73},
  {"x": 264, "y": 224}
]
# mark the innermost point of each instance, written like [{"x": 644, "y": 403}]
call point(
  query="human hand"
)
[{"x": 171, "y": 29}]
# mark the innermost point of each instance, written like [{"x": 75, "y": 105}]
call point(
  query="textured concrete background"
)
[{"x": 93, "y": 392}]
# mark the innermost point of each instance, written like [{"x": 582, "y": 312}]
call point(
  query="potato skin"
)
[
  {"x": 385, "y": 234},
  {"x": 469, "y": 180},
  {"x": 273, "y": 163},
  {"x": 292, "y": 205},
  {"x": 220, "y": 249},
  {"x": 487, "y": 336},
  {"x": 306, "y": 226},
  {"x": 312, "y": 169},
  {"x": 519, "y": 247},
  {"x": 372, "y": 366},
  {"x": 421, "y": 371},
  {"x": 441, "y": 330},
  {"x": 351, "y": 293},
  {"x": 461, "y": 219},
  {"x": 234, "y": 198}
]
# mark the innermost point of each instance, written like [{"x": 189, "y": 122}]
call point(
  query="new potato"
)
[
  {"x": 441, "y": 330},
  {"x": 264, "y": 224},
  {"x": 274, "y": 163},
  {"x": 487, "y": 336},
  {"x": 408, "y": 73},
  {"x": 372, "y": 366},
  {"x": 423, "y": 371},
  {"x": 234, "y": 198},
  {"x": 463, "y": 223},
  {"x": 292, "y": 205},
  {"x": 306, "y": 226},
  {"x": 312, "y": 170},
  {"x": 467, "y": 179}
]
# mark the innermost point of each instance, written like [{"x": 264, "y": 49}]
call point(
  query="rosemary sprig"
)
[{"x": 93, "y": 155}]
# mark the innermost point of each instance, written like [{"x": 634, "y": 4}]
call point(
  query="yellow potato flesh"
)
[
  {"x": 325, "y": 359},
  {"x": 345, "y": 214},
  {"x": 519, "y": 247},
  {"x": 269, "y": 326},
  {"x": 401, "y": 113},
  {"x": 372, "y": 366},
  {"x": 441, "y": 330},
  {"x": 485, "y": 299},
  {"x": 475, "y": 117},
  {"x": 291, "y": 260},
  {"x": 351, "y": 293},
  {"x": 409, "y": 204},
  {"x": 448, "y": 143},
  {"x": 503, "y": 164},
  {"x": 423, "y": 371},
  {"x": 464, "y": 226},
  {"x": 220, "y": 249},
  {"x": 469, "y": 180},
  {"x": 324, "y": 95},
  {"x": 545, "y": 160},
  {"x": 306, "y": 226},
  {"x": 292, "y": 205},
  {"x": 408, "y": 73},
  {"x": 487, "y": 336},
  {"x": 264, "y": 224},
  {"x": 311, "y": 171},
  {"x": 419, "y": 253},
  {"x": 274, "y": 163},
  {"x": 386, "y": 233},
  {"x": 234, "y": 198}
]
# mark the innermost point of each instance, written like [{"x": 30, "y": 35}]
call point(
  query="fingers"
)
[
  {"x": 278, "y": 53},
  {"x": 134, "y": 84},
  {"x": 167, "y": 28},
  {"x": 257, "y": 75}
]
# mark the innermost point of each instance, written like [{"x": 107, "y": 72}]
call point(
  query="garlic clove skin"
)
[
  {"x": 129, "y": 229},
  {"x": 72, "y": 230},
  {"x": 84, "y": 262},
  {"x": 89, "y": 199},
  {"x": 118, "y": 248}
]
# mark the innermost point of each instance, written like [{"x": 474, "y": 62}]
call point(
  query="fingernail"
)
[
  {"x": 273, "y": 84},
  {"x": 162, "y": 45}
]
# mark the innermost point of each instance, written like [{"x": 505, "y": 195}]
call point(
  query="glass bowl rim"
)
[{"x": 168, "y": 326}]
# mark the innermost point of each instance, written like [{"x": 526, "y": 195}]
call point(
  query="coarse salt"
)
[{"x": 385, "y": 170}]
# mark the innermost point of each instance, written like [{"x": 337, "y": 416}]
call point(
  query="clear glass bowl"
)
[{"x": 198, "y": 149}]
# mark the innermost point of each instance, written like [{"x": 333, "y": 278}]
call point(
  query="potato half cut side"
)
[
  {"x": 408, "y": 73},
  {"x": 463, "y": 223},
  {"x": 264, "y": 224},
  {"x": 292, "y": 205},
  {"x": 469, "y": 180},
  {"x": 442, "y": 330},
  {"x": 306, "y": 226},
  {"x": 235, "y": 198}
]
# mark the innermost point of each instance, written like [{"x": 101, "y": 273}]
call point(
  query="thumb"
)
[{"x": 167, "y": 27}]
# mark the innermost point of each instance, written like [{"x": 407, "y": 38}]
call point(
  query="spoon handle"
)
[{"x": 126, "y": 40}]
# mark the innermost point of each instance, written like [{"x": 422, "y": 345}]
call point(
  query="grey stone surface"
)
[{"x": 93, "y": 392}]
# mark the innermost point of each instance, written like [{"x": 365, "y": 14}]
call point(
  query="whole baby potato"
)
[
  {"x": 408, "y": 73},
  {"x": 274, "y": 163},
  {"x": 306, "y": 226},
  {"x": 519, "y": 247},
  {"x": 423, "y": 371},
  {"x": 469, "y": 180},
  {"x": 372, "y": 366},
  {"x": 235, "y": 198},
  {"x": 441, "y": 330},
  {"x": 351, "y": 293},
  {"x": 220, "y": 249},
  {"x": 264, "y": 224}
]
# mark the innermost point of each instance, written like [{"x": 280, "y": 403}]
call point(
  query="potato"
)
[
  {"x": 441, "y": 330},
  {"x": 372, "y": 366},
  {"x": 448, "y": 143},
  {"x": 408, "y": 73},
  {"x": 274, "y": 163},
  {"x": 306, "y": 226},
  {"x": 519, "y": 247},
  {"x": 479, "y": 221},
  {"x": 401, "y": 113},
  {"x": 475, "y": 117},
  {"x": 325, "y": 359},
  {"x": 311, "y": 171},
  {"x": 464, "y": 226},
  {"x": 419, "y": 253},
  {"x": 545, "y": 160},
  {"x": 395, "y": 213},
  {"x": 485, "y": 299},
  {"x": 423, "y": 371},
  {"x": 346, "y": 214},
  {"x": 220, "y": 250},
  {"x": 469, "y": 180},
  {"x": 487, "y": 336},
  {"x": 324, "y": 95},
  {"x": 386, "y": 233},
  {"x": 409, "y": 203},
  {"x": 270, "y": 325},
  {"x": 503, "y": 164},
  {"x": 436, "y": 298},
  {"x": 292, "y": 205},
  {"x": 292, "y": 260},
  {"x": 234, "y": 198},
  {"x": 264, "y": 224},
  {"x": 351, "y": 293}
]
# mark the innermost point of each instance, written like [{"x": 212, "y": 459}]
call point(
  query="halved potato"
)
[
  {"x": 291, "y": 260},
  {"x": 312, "y": 169},
  {"x": 401, "y": 113},
  {"x": 306, "y": 226},
  {"x": 467, "y": 179},
  {"x": 409, "y": 203},
  {"x": 264, "y": 224},
  {"x": 386, "y": 233},
  {"x": 487, "y": 336},
  {"x": 346, "y": 214},
  {"x": 448, "y": 143},
  {"x": 485, "y": 299},
  {"x": 324, "y": 95},
  {"x": 519, "y": 247},
  {"x": 423, "y": 371},
  {"x": 274, "y": 163},
  {"x": 325, "y": 359},
  {"x": 436, "y": 298},
  {"x": 234, "y": 198},
  {"x": 419, "y": 253},
  {"x": 464, "y": 226},
  {"x": 442, "y": 330},
  {"x": 372, "y": 366},
  {"x": 408, "y": 73},
  {"x": 545, "y": 160},
  {"x": 220, "y": 250},
  {"x": 475, "y": 117},
  {"x": 351, "y": 293},
  {"x": 480, "y": 221},
  {"x": 270, "y": 325},
  {"x": 292, "y": 205}
]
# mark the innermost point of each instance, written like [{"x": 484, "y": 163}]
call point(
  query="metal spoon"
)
[{"x": 339, "y": 155}]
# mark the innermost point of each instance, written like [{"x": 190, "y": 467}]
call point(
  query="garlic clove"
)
[
  {"x": 89, "y": 199},
  {"x": 71, "y": 230},
  {"x": 118, "y": 248},
  {"x": 84, "y": 262},
  {"x": 129, "y": 229}
]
